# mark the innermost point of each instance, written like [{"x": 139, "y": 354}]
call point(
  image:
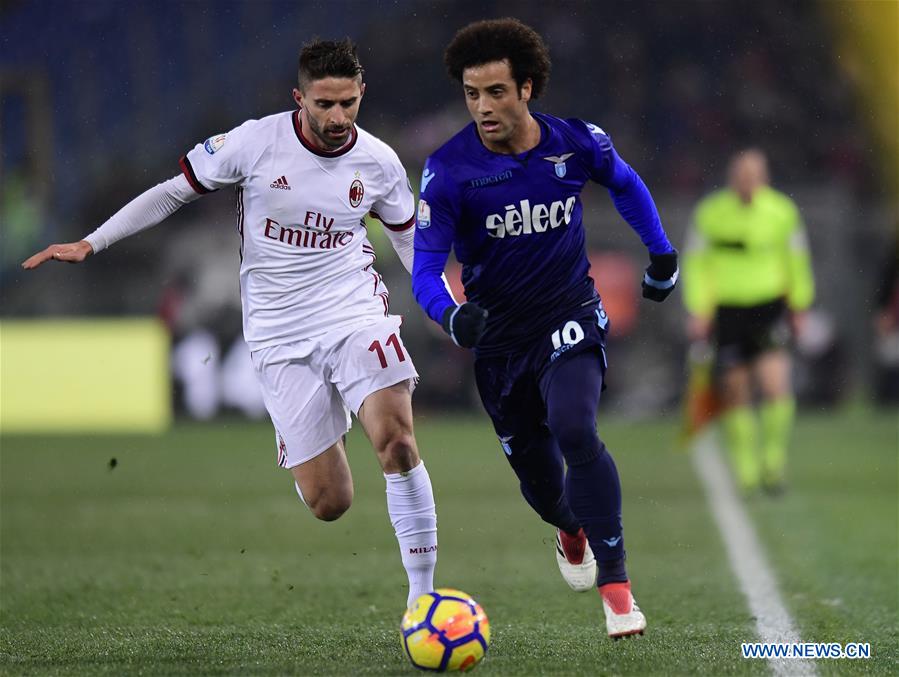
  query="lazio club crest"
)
[{"x": 559, "y": 163}]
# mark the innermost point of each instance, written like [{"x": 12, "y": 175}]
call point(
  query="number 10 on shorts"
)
[
  {"x": 394, "y": 341},
  {"x": 570, "y": 334}
]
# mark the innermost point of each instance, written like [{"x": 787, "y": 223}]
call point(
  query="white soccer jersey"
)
[{"x": 306, "y": 263}]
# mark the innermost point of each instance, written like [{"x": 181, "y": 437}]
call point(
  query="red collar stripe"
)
[{"x": 308, "y": 145}]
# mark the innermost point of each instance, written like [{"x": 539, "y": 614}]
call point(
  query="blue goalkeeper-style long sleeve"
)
[
  {"x": 427, "y": 284},
  {"x": 636, "y": 206}
]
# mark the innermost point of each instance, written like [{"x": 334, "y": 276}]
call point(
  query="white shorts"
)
[{"x": 311, "y": 386}]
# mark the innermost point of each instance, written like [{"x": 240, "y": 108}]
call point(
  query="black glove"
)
[
  {"x": 660, "y": 276},
  {"x": 465, "y": 324}
]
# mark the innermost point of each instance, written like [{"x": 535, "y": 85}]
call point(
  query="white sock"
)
[{"x": 410, "y": 503}]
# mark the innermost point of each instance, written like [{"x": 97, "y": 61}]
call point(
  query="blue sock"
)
[
  {"x": 537, "y": 462},
  {"x": 594, "y": 494},
  {"x": 592, "y": 487}
]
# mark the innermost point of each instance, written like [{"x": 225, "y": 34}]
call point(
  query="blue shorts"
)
[{"x": 514, "y": 387}]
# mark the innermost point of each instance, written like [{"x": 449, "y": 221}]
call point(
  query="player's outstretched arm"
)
[
  {"x": 70, "y": 252},
  {"x": 147, "y": 209}
]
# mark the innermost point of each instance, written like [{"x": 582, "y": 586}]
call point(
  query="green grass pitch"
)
[{"x": 193, "y": 556}]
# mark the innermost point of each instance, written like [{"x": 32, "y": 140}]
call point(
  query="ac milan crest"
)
[{"x": 357, "y": 190}]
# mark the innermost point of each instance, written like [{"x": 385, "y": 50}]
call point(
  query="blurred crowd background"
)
[{"x": 100, "y": 98}]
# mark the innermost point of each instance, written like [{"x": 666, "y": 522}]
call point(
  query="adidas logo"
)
[{"x": 280, "y": 183}]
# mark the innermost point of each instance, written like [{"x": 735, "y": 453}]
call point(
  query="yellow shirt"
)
[{"x": 741, "y": 254}]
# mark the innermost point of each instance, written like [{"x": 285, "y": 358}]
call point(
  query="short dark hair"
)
[
  {"x": 497, "y": 39},
  {"x": 326, "y": 59}
]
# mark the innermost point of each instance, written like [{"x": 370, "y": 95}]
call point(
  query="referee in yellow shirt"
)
[{"x": 747, "y": 282}]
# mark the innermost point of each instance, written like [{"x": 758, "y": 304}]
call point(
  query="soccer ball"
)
[{"x": 445, "y": 630}]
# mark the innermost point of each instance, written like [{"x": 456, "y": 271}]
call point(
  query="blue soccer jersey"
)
[{"x": 515, "y": 223}]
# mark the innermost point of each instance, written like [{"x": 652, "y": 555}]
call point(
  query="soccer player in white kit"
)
[{"x": 315, "y": 311}]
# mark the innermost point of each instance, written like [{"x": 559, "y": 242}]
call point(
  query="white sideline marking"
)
[{"x": 747, "y": 558}]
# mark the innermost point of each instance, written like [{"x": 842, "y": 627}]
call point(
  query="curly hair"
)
[
  {"x": 328, "y": 58},
  {"x": 497, "y": 39}
]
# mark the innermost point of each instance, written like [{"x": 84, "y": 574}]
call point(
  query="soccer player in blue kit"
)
[{"x": 505, "y": 194}]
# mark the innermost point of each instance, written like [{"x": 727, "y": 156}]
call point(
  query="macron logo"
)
[
  {"x": 426, "y": 177},
  {"x": 611, "y": 542},
  {"x": 280, "y": 183}
]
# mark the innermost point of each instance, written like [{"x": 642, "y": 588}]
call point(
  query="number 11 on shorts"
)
[{"x": 394, "y": 341}]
